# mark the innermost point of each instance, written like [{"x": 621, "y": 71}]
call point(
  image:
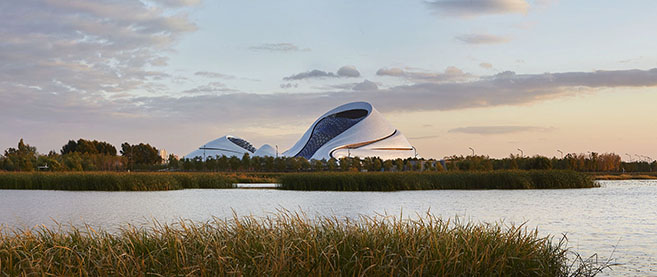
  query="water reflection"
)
[{"x": 622, "y": 213}]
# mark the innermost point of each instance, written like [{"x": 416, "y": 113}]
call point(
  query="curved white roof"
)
[
  {"x": 265, "y": 150},
  {"x": 353, "y": 129},
  {"x": 224, "y": 146}
]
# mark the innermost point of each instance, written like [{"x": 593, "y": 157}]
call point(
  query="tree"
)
[
  {"x": 387, "y": 165},
  {"x": 222, "y": 163},
  {"x": 173, "y": 162},
  {"x": 399, "y": 164},
  {"x": 140, "y": 154},
  {"x": 87, "y": 146},
  {"x": 22, "y": 158},
  {"x": 318, "y": 165},
  {"x": 234, "y": 163},
  {"x": 377, "y": 164},
  {"x": 332, "y": 164},
  {"x": 246, "y": 162}
]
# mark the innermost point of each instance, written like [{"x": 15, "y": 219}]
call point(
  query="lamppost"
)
[
  {"x": 414, "y": 151},
  {"x": 629, "y": 156},
  {"x": 639, "y": 157},
  {"x": 276, "y": 150},
  {"x": 561, "y": 153},
  {"x": 472, "y": 150},
  {"x": 522, "y": 153}
]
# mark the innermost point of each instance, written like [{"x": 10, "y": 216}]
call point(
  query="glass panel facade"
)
[
  {"x": 242, "y": 143},
  {"x": 329, "y": 128}
]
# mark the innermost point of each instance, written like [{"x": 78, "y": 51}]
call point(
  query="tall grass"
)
[
  {"x": 291, "y": 245},
  {"x": 114, "y": 181},
  {"x": 392, "y": 181}
]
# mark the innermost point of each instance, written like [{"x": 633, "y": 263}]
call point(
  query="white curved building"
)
[
  {"x": 265, "y": 150},
  {"x": 353, "y": 129},
  {"x": 224, "y": 146}
]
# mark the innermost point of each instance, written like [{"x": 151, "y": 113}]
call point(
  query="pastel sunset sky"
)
[{"x": 494, "y": 75}]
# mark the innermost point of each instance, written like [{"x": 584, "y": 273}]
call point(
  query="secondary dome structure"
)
[
  {"x": 265, "y": 150},
  {"x": 353, "y": 129},
  {"x": 224, "y": 146}
]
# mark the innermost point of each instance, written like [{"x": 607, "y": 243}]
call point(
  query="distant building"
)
[
  {"x": 164, "y": 156},
  {"x": 350, "y": 130}
]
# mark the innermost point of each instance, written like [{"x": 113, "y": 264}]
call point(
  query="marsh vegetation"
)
[{"x": 293, "y": 245}]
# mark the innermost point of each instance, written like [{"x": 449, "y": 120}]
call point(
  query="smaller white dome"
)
[{"x": 265, "y": 150}]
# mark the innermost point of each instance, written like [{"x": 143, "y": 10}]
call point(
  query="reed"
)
[
  {"x": 114, "y": 181},
  {"x": 289, "y": 244},
  {"x": 393, "y": 181}
]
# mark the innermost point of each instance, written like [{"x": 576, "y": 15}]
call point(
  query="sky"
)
[{"x": 492, "y": 75}]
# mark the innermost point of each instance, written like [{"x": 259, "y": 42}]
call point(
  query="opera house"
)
[{"x": 350, "y": 130}]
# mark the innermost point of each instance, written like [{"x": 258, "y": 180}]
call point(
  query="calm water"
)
[{"x": 621, "y": 215}]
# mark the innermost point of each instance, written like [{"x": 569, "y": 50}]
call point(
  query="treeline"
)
[
  {"x": 92, "y": 155},
  {"x": 298, "y": 164},
  {"x": 591, "y": 162},
  {"x": 82, "y": 155}
]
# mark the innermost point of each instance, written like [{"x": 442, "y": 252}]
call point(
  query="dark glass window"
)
[
  {"x": 329, "y": 128},
  {"x": 242, "y": 143}
]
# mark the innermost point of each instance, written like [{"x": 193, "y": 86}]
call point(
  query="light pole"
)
[
  {"x": 561, "y": 153},
  {"x": 522, "y": 153},
  {"x": 276, "y": 150},
  {"x": 630, "y": 156},
  {"x": 639, "y": 157},
  {"x": 414, "y": 151},
  {"x": 472, "y": 151}
]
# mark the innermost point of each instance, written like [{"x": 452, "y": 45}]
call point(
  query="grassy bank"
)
[
  {"x": 384, "y": 181},
  {"x": 624, "y": 176},
  {"x": 292, "y": 245},
  {"x": 115, "y": 181}
]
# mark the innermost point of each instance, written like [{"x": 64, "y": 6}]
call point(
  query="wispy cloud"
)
[
  {"x": 210, "y": 88},
  {"x": 486, "y": 65},
  {"x": 215, "y": 75},
  {"x": 478, "y": 7},
  {"x": 365, "y": 85},
  {"x": 449, "y": 75},
  {"x": 424, "y": 137},
  {"x": 95, "y": 48},
  {"x": 278, "y": 47},
  {"x": 495, "y": 130},
  {"x": 482, "y": 39},
  {"x": 345, "y": 71}
]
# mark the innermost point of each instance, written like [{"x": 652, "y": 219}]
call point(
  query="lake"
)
[{"x": 620, "y": 217}]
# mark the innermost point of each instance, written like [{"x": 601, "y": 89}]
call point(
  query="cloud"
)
[
  {"x": 501, "y": 89},
  {"x": 450, "y": 74},
  {"x": 47, "y": 117},
  {"x": 424, "y": 137},
  {"x": 345, "y": 71},
  {"x": 210, "y": 88},
  {"x": 366, "y": 85},
  {"x": 289, "y": 85},
  {"x": 178, "y": 3},
  {"x": 495, "y": 130},
  {"x": 215, "y": 75},
  {"x": 478, "y": 7},
  {"x": 482, "y": 39},
  {"x": 278, "y": 47},
  {"x": 486, "y": 65},
  {"x": 348, "y": 71},
  {"x": 95, "y": 48}
]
